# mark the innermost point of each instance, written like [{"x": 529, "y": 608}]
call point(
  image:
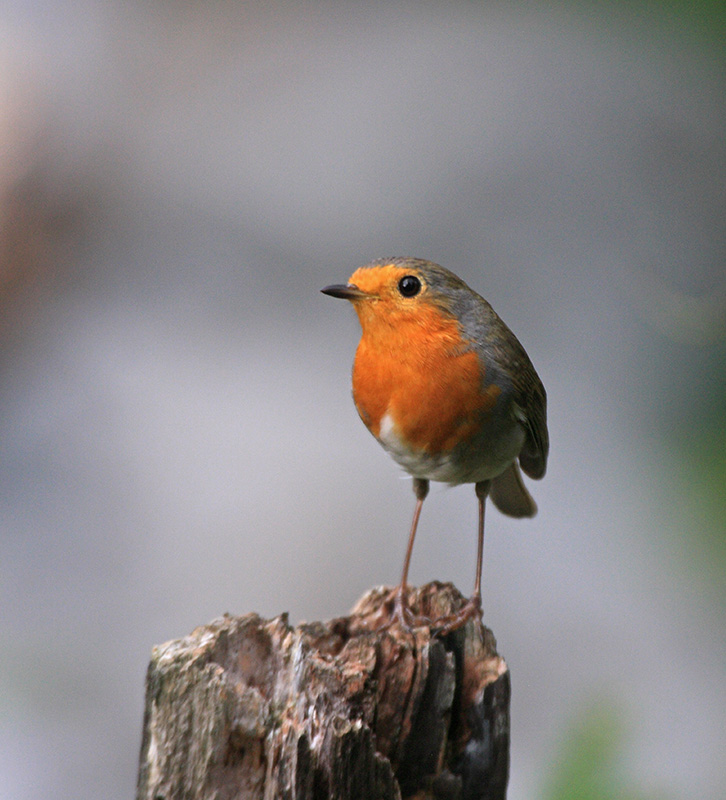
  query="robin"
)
[{"x": 450, "y": 394}]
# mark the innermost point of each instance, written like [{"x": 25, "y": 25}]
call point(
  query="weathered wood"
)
[{"x": 252, "y": 708}]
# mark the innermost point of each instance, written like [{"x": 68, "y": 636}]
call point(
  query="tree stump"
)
[{"x": 251, "y": 708}]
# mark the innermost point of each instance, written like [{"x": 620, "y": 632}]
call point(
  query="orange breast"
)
[{"x": 421, "y": 373}]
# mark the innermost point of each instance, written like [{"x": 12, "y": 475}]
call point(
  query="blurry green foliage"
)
[
  {"x": 702, "y": 19},
  {"x": 706, "y": 17},
  {"x": 701, "y": 449},
  {"x": 590, "y": 762}
]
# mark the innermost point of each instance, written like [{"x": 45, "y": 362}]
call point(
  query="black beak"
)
[{"x": 346, "y": 291}]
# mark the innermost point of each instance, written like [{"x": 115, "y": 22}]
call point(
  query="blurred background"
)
[{"x": 177, "y": 437}]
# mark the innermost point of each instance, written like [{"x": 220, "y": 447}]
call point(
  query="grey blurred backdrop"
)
[{"x": 177, "y": 437}]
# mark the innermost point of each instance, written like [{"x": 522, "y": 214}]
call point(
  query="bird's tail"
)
[{"x": 510, "y": 495}]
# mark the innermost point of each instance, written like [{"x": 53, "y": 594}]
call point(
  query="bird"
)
[{"x": 450, "y": 393}]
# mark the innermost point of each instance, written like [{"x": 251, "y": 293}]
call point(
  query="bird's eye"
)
[{"x": 409, "y": 286}]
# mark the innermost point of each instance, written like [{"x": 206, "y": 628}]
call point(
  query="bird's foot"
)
[
  {"x": 401, "y": 613},
  {"x": 470, "y": 610}
]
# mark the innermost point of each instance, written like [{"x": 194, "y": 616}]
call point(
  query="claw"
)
[
  {"x": 406, "y": 618},
  {"x": 470, "y": 610},
  {"x": 401, "y": 613}
]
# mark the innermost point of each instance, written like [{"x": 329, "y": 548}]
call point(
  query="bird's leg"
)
[
  {"x": 482, "y": 492},
  {"x": 402, "y": 611},
  {"x": 472, "y": 608}
]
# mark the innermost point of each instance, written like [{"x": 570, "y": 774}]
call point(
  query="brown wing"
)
[
  {"x": 533, "y": 457},
  {"x": 528, "y": 394}
]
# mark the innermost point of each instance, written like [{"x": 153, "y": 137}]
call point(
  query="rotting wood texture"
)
[{"x": 251, "y": 708}]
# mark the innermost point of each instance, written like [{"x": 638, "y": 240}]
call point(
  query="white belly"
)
[{"x": 486, "y": 459}]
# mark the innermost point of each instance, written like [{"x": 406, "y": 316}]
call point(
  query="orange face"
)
[{"x": 412, "y": 363}]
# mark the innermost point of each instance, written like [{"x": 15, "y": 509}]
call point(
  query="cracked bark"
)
[{"x": 250, "y": 708}]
